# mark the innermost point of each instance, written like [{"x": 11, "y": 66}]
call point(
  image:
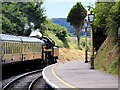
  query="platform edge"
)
[{"x": 46, "y": 79}]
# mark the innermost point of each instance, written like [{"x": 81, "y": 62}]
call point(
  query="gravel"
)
[{"x": 24, "y": 82}]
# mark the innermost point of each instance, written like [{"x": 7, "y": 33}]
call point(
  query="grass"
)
[
  {"x": 73, "y": 44},
  {"x": 57, "y": 41},
  {"x": 107, "y": 58}
]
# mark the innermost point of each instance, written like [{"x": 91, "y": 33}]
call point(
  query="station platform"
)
[{"x": 77, "y": 74}]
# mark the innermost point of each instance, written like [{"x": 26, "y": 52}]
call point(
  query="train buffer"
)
[{"x": 77, "y": 74}]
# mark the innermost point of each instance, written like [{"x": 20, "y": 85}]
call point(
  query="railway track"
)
[
  {"x": 31, "y": 86},
  {"x": 25, "y": 81}
]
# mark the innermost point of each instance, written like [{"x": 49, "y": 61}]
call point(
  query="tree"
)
[
  {"x": 102, "y": 10},
  {"x": 13, "y": 20},
  {"x": 102, "y": 22},
  {"x": 18, "y": 16},
  {"x": 76, "y": 18},
  {"x": 35, "y": 14},
  {"x": 59, "y": 31},
  {"x": 113, "y": 20}
]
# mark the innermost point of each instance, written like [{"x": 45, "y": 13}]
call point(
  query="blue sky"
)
[{"x": 61, "y": 8}]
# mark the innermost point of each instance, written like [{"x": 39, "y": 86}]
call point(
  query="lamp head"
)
[
  {"x": 85, "y": 23},
  {"x": 90, "y": 17}
]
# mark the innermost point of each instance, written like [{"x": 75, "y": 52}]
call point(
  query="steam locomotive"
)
[{"x": 21, "y": 48}]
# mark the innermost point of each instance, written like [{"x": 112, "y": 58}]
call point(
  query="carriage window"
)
[
  {"x": 24, "y": 46},
  {"x": 19, "y": 47},
  {"x": 3, "y": 47},
  {"x": 16, "y": 47},
  {"x": 30, "y": 47},
  {"x": 13, "y": 48},
  {"x": 38, "y": 47},
  {"x": 33, "y": 47},
  {"x": 10, "y": 48},
  {"x": 6, "y": 48}
]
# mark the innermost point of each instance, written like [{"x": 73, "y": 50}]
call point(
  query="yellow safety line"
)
[{"x": 61, "y": 79}]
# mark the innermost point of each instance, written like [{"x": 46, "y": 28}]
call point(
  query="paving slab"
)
[{"x": 77, "y": 74}]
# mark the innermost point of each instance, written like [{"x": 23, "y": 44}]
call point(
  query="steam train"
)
[{"x": 21, "y": 48}]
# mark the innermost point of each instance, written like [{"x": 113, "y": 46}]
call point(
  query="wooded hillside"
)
[{"x": 63, "y": 22}]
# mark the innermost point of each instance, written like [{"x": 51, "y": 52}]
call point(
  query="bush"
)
[
  {"x": 58, "y": 31},
  {"x": 54, "y": 38},
  {"x": 82, "y": 44}
]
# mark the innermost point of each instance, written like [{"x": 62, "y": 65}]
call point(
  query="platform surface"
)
[{"x": 77, "y": 74}]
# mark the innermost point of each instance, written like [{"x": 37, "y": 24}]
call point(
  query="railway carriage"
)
[
  {"x": 32, "y": 48},
  {"x": 19, "y": 48},
  {"x": 11, "y": 48}
]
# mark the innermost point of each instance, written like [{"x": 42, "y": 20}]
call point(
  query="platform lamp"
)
[
  {"x": 90, "y": 18},
  {"x": 85, "y": 25},
  {"x": 119, "y": 31}
]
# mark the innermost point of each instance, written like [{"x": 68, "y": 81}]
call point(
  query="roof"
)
[
  {"x": 30, "y": 39},
  {"x": 6, "y": 37}
]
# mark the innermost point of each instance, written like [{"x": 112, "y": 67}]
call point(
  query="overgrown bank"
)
[
  {"x": 67, "y": 54},
  {"x": 108, "y": 56},
  {"x": 106, "y": 24}
]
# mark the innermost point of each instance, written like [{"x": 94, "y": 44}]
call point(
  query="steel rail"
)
[
  {"x": 19, "y": 77},
  {"x": 33, "y": 82}
]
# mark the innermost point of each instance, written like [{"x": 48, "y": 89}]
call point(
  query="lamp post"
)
[
  {"x": 85, "y": 25},
  {"x": 90, "y": 18},
  {"x": 119, "y": 31}
]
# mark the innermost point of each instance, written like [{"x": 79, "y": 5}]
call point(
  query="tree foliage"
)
[
  {"x": 59, "y": 31},
  {"x": 107, "y": 20},
  {"x": 76, "y": 14},
  {"x": 13, "y": 20},
  {"x": 76, "y": 18},
  {"x": 102, "y": 10},
  {"x": 18, "y": 16},
  {"x": 63, "y": 22},
  {"x": 113, "y": 20}
]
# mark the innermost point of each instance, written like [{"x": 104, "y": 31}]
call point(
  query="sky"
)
[{"x": 61, "y": 8}]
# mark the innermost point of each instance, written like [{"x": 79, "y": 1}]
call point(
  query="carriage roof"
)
[
  {"x": 5, "y": 37},
  {"x": 30, "y": 39}
]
